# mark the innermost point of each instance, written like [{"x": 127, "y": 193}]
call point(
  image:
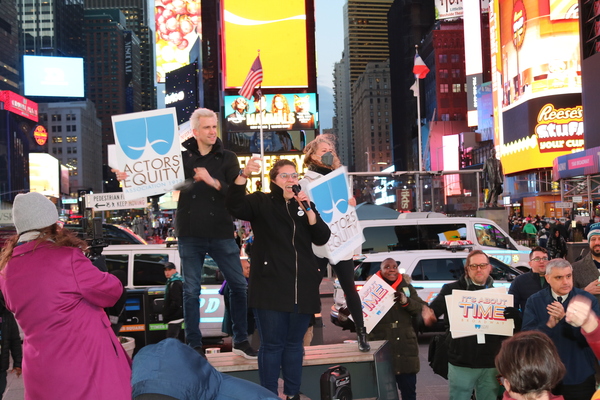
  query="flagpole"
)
[
  {"x": 419, "y": 117},
  {"x": 262, "y": 145}
]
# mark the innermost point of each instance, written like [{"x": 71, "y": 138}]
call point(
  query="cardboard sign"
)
[
  {"x": 376, "y": 297},
  {"x": 147, "y": 149},
  {"x": 479, "y": 312},
  {"x": 330, "y": 195}
]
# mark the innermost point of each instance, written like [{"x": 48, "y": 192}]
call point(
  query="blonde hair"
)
[{"x": 311, "y": 148}]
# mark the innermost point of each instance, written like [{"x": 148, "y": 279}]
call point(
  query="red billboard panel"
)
[{"x": 19, "y": 105}]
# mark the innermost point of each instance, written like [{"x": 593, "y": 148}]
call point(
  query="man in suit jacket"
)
[{"x": 586, "y": 273}]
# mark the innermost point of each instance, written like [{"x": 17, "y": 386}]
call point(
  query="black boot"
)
[{"x": 363, "y": 344}]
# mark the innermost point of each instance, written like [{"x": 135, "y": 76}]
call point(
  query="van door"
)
[{"x": 496, "y": 244}]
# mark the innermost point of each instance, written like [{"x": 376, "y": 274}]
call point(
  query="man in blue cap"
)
[{"x": 586, "y": 272}]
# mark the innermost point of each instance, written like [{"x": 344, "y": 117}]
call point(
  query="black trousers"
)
[
  {"x": 582, "y": 391},
  {"x": 345, "y": 274}
]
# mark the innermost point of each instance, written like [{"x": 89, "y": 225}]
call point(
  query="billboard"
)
[
  {"x": 536, "y": 75},
  {"x": 53, "y": 76},
  {"x": 19, "y": 105},
  {"x": 451, "y": 9},
  {"x": 44, "y": 174},
  {"x": 178, "y": 27},
  {"x": 278, "y": 29},
  {"x": 182, "y": 91},
  {"x": 276, "y": 112}
]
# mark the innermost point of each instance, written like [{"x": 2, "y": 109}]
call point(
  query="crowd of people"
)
[{"x": 57, "y": 296}]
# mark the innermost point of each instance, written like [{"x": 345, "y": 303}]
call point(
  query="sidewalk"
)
[{"x": 14, "y": 388}]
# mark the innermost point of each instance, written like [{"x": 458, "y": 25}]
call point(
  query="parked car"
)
[
  {"x": 427, "y": 231},
  {"x": 144, "y": 268},
  {"x": 429, "y": 271}
]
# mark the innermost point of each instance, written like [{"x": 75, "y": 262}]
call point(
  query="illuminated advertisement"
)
[
  {"x": 536, "y": 81},
  {"x": 450, "y": 9},
  {"x": 277, "y": 29},
  {"x": 275, "y": 112},
  {"x": 44, "y": 174},
  {"x": 178, "y": 27},
  {"x": 267, "y": 164},
  {"x": 19, "y": 105}
]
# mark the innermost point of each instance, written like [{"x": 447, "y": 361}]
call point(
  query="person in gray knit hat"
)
[
  {"x": 58, "y": 298},
  {"x": 586, "y": 273},
  {"x": 31, "y": 212}
]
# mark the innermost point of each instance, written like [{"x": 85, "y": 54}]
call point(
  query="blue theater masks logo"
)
[
  {"x": 134, "y": 134},
  {"x": 330, "y": 196}
]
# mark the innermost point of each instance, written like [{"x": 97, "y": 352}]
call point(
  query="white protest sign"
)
[
  {"x": 147, "y": 149},
  {"x": 330, "y": 195},
  {"x": 376, "y": 297},
  {"x": 479, "y": 312}
]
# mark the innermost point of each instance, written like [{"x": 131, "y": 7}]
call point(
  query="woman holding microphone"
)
[{"x": 283, "y": 288}]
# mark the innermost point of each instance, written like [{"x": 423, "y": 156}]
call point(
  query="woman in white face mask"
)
[{"x": 320, "y": 160}]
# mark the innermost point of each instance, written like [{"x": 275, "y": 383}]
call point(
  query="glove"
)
[
  {"x": 400, "y": 298},
  {"x": 511, "y": 313}
]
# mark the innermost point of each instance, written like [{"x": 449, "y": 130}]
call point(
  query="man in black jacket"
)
[
  {"x": 173, "y": 305},
  {"x": 204, "y": 226},
  {"x": 471, "y": 362},
  {"x": 531, "y": 282}
]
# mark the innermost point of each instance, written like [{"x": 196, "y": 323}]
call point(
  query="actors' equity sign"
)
[
  {"x": 147, "y": 147},
  {"x": 479, "y": 312},
  {"x": 376, "y": 297},
  {"x": 330, "y": 194}
]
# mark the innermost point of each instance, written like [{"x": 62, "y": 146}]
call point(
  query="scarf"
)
[
  {"x": 393, "y": 284},
  {"x": 173, "y": 278}
]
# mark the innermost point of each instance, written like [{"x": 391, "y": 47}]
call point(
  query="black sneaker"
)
[
  {"x": 245, "y": 350},
  {"x": 296, "y": 397}
]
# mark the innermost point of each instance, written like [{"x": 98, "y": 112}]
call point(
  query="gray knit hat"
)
[{"x": 33, "y": 211}]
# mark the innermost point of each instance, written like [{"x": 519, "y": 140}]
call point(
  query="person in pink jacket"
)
[{"x": 58, "y": 296}]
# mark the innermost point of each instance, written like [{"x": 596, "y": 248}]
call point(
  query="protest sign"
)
[
  {"x": 376, "y": 297},
  {"x": 147, "y": 149},
  {"x": 330, "y": 195},
  {"x": 479, "y": 312}
]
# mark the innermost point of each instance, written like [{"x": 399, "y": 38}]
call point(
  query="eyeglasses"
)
[
  {"x": 538, "y": 259},
  {"x": 474, "y": 267},
  {"x": 286, "y": 176}
]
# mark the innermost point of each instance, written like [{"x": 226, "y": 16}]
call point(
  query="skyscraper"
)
[
  {"x": 9, "y": 46},
  {"x": 138, "y": 16}
]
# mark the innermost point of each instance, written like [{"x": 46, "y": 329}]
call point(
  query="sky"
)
[{"x": 330, "y": 45}]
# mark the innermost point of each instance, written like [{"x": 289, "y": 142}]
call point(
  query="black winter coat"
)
[
  {"x": 11, "y": 339},
  {"x": 284, "y": 270},
  {"x": 396, "y": 326},
  {"x": 173, "y": 306},
  {"x": 201, "y": 208},
  {"x": 465, "y": 352}
]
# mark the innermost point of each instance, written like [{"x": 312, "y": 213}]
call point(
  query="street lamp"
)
[{"x": 368, "y": 161}]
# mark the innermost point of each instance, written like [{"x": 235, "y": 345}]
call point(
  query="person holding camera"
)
[{"x": 58, "y": 298}]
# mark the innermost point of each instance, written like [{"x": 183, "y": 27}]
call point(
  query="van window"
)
[
  {"x": 410, "y": 237},
  {"x": 442, "y": 269},
  {"x": 500, "y": 271},
  {"x": 489, "y": 235},
  {"x": 118, "y": 262},
  {"x": 148, "y": 269}
]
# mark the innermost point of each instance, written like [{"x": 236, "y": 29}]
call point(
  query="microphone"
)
[{"x": 296, "y": 189}]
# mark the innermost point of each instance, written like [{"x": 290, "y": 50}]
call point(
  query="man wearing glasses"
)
[
  {"x": 470, "y": 362},
  {"x": 531, "y": 282}
]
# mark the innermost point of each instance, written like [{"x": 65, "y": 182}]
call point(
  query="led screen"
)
[
  {"x": 178, "y": 27},
  {"x": 536, "y": 57},
  {"x": 277, "y": 29},
  {"x": 44, "y": 175},
  {"x": 53, "y": 76}
]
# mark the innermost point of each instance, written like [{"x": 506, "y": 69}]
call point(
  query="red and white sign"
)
[{"x": 19, "y": 105}]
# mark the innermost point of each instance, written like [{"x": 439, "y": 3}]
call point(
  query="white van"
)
[
  {"x": 427, "y": 231},
  {"x": 144, "y": 267}
]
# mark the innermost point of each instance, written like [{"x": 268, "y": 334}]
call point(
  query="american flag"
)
[{"x": 255, "y": 77}]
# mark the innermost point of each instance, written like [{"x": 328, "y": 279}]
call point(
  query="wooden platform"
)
[{"x": 371, "y": 373}]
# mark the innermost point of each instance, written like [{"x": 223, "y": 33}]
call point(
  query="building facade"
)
[
  {"x": 9, "y": 46},
  {"x": 74, "y": 134}
]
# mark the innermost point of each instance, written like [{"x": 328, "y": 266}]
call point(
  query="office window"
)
[
  {"x": 456, "y": 87},
  {"x": 443, "y": 88}
]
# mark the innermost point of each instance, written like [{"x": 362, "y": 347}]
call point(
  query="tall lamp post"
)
[{"x": 368, "y": 161}]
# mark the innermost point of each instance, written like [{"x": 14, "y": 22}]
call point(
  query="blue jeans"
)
[
  {"x": 281, "y": 348},
  {"x": 226, "y": 254}
]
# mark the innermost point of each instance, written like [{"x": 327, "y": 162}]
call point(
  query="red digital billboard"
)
[{"x": 19, "y": 105}]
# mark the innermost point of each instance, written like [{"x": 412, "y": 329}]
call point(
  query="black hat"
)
[{"x": 169, "y": 265}]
